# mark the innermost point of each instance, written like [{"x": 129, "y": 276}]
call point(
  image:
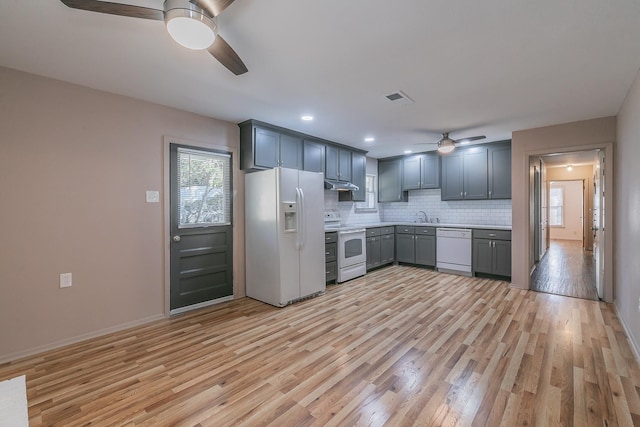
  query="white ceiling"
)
[
  {"x": 574, "y": 158},
  {"x": 473, "y": 67}
]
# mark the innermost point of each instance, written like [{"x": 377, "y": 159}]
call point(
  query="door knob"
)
[{"x": 176, "y": 238}]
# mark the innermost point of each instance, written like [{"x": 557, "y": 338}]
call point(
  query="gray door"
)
[{"x": 201, "y": 231}]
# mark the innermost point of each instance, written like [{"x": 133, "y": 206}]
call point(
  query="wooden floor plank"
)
[{"x": 401, "y": 346}]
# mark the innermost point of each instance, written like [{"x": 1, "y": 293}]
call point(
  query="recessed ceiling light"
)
[
  {"x": 369, "y": 139},
  {"x": 408, "y": 151},
  {"x": 307, "y": 118}
]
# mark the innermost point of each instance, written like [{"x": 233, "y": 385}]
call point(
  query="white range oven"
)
[{"x": 352, "y": 254}]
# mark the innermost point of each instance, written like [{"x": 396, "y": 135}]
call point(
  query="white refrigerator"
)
[{"x": 284, "y": 235}]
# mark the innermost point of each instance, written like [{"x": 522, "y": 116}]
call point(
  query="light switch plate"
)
[
  {"x": 66, "y": 280},
  {"x": 153, "y": 196}
]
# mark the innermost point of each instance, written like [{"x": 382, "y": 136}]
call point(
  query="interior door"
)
[
  {"x": 598, "y": 225},
  {"x": 200, "y": 225},
  {"x": 537, "y": 232}
]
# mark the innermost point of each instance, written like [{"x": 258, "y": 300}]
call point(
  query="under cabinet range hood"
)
[{"x": 339, "y": 186}]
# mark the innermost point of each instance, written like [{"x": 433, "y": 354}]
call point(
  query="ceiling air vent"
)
[{"x": 399, "y": 98}]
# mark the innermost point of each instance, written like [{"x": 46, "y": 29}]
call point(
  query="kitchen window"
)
[
  {"x": 369, "y": 204},
  {"x": 556, "y": 205}
]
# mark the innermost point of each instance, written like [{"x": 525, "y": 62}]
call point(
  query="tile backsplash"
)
[
  {"x": 347, "y": 211},
  {"x": 480, "y": 212},
  {"x": 477, "y": 212}
]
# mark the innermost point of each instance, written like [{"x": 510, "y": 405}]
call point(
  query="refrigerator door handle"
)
[
  {"x": 298, "y": 219},
  {"x": 302, "y": 231}
]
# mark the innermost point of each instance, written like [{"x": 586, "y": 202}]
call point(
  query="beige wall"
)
[
  {"x": 584, "y": 135},
  {"x": 572, "y": 227},
  {"x": 627, "y": 214},
  {"x": 74, "y": 167},
  {"x": 584, "y": 173}
]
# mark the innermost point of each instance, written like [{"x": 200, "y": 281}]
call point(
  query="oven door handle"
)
[{"x": 359, "y": 230}]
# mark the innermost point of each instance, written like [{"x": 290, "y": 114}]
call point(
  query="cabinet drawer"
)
[
  {"x": 331, "y": 271},
  {"x": 387, "y": 230},
  {"x": 330, "y": 252},
  {"x": 401, "y": 229},
  {"x": 426, "y": 231},
  {"x": 492, "y": 234},
  {"x": 373, "y": 232},
  {"x": 331, "y": 237}
]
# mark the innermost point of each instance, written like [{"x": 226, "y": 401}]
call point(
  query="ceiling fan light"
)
[
  {"x": 445, "y": 146},
  {"x": 190, "y": 28}
]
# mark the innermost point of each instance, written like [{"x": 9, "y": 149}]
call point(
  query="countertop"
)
[{"x": 416, "y": 224}]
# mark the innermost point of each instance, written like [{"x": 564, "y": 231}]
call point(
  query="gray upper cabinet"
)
[
  {"x": 464, "y": 174},
  {"x": 430, "y": 170},
  {"x": 263, "y": 148},
  {"x": 358, "y": 176},
  {"x": 421, "y": 171},
  {"x": 411, "y": 176},
  {"x": 266, "y": 148},
  {"x": 337, "y": 163},
  {"x": 290, "y": 152},
  {"x": 500, "y": 171},
  {"x": 475, "y": 173},
  {"x": 452, "y": 176},
  {"x": 390, "y": 181},
  {"x": 313, "y": 158}
]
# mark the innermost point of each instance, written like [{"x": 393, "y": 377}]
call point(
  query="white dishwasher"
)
[{"x": 453, "y": 252}]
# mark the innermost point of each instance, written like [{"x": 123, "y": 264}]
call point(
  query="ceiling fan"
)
[
  {"x": 446, "y": 144},
  {"x": 191, "y": 23}
]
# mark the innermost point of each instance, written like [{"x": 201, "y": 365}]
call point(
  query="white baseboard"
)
[
  {"x": 57, "y": 344},
  {"x": 632, "y": 342}
]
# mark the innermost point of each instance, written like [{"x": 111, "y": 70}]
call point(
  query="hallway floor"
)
[{"x": 566, "y": 269}]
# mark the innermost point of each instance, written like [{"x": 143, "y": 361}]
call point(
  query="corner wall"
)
[
  {"x": 627, "y": 214},
  {"x": 576, "y": 136},
  {"x": 74, "y": 167}
]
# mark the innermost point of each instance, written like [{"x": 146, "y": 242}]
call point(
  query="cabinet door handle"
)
[
  {"x": 465, "y": 194},
  {"x": 489, "y": 193},
  {"x": 492, "y": 235},
  {"x": 327, "y": 253},
  {"x": 461, "y": 194}
]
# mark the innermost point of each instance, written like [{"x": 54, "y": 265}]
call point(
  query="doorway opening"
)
[{"x": 567, "y": 210}]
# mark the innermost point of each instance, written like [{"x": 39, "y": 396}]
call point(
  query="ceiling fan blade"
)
[
  {"x": 115, "y": 9},
  {"x": 214, "y": 7},
  {"x": 473, "y": 138},
  {"x": 221, "y": 50}
]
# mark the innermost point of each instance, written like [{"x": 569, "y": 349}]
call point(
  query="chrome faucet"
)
[{"x": 425, "y": 219}]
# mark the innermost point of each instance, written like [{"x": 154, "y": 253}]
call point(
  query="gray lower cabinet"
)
[
  {"x": 421, "y": 171},
  {"x": 390, "y": 181},
  {"x": 313, "y": 156},
  {"x": 331, "y": 256},
  {"x": 492, "y": 252},
  {"x": 387, "y": 248},
  {"x": 416, "y": 245},
  {"x": 380, "y": 246},
  {"x": 373, "y": 252}
]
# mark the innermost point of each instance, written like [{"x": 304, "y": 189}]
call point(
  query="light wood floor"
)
[
  {"x": 401, "y": 346},
  {"x": 566, "y": 269}
]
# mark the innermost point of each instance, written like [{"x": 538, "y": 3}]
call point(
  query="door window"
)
[{"x": 204, "y": 195}]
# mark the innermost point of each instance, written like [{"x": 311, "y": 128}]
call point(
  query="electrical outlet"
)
[
  {"x": 65, "y": 280},
  {"x": 153, "y": 196}
]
